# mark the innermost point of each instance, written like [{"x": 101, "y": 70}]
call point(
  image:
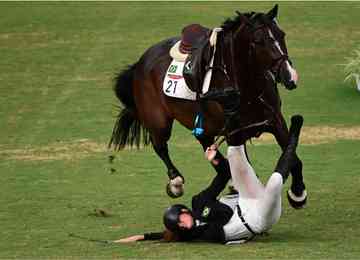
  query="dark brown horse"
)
[{"x": 251, "y": 57}]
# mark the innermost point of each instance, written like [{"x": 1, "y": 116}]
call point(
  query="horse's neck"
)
[
  {"x": 246, "y": 77},
  {"x": 242, "y": 73}
]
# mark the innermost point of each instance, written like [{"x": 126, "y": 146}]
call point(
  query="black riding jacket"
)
[{"x": 210, "y": 214}]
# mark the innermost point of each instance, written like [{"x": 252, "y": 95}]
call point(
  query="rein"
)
[
  {"x": 221, "y": 137},
  {"x": 218, "y": 143},
  {"x": 105, "y": 242}
]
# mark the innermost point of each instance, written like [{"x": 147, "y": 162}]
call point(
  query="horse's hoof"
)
[
  {"x": 172, "y": 194},
  {"x": 175, "y": 188},
  {"x": 297, "y": 202}
]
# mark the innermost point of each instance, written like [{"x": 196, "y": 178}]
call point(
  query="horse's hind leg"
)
[
  {"x": 155, "y": 117},
  {"x": 297, "y": 194},
  {"x": 159, "y": 139}
]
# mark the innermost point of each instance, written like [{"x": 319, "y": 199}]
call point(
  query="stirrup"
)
[{"x": 198, "y": 130}]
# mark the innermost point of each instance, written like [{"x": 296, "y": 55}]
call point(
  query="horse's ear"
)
[
  {"x": 244, "y": 21},
  {"x": 272, "y": 14},
  {"x": 242, "y": 17}
]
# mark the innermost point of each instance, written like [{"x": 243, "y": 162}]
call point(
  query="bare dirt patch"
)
[
  {"x": 57, "y": 151},
  {"x": 18, "y": 35},
  {"x": 83, "y": 148},
  {"x": 82, "y": 78},
  {"x": 313, "y": 135}
]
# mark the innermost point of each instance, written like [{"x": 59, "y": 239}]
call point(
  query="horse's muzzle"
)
[
  {"x": 288, "y": 76},
  {"x": 290, "y": 85}
]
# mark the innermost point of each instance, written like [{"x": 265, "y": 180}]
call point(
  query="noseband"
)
[{"x": 277, "y": 64}]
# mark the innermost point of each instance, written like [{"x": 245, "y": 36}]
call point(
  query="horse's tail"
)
[{"x": 127, "y": 129}]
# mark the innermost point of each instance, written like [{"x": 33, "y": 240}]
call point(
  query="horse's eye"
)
[
  {"x": 279, "y": 34},
  {"x": 259, "y": 40},
  {"x": 282, "y": 35}
]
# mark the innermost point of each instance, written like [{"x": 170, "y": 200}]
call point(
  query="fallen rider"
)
[{"x": 258, "y": 207}]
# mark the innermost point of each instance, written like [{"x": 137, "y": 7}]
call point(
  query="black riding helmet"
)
[{"x": 172, "y": 214}]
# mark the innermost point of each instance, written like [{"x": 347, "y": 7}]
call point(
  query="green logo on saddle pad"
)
[
  {"x": 172, "y": 68},
  {"x": 205, "y": 212}
]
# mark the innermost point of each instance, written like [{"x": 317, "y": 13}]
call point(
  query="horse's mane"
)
[{"x": 231, "y": 24}]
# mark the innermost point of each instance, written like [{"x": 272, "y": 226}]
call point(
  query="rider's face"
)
[{"x": 186, "y": 221}]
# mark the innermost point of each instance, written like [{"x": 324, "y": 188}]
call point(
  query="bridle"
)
[{"x": 277, "y": 62}]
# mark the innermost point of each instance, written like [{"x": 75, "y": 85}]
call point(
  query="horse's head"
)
[
  {"x": 265, "y": 45},
  {"x": 270, "y": 37},
  {"x": 251, "y": 58}
]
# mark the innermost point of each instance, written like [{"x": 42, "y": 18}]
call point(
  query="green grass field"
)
[{"x": 57, "y": 109}]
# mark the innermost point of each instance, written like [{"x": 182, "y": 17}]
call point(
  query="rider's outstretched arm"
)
[
  {"x": 222, "y": 177},
  {"x": 166, "y": 235}
]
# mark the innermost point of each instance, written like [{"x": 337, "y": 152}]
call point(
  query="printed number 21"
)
[{"x": 171, "y": 84}]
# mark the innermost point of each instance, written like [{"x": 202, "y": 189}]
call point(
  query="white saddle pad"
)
[
  {"x": 174, "y": 84},
  {"x": 176, "y": 54}
]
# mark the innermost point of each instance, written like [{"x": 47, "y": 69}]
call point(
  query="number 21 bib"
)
[{"x": 174, "y": 83}]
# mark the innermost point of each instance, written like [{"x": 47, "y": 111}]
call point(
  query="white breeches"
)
[{"x": 260, "y": 205}]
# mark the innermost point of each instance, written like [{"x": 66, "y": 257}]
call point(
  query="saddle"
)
[
  {"x": 191, "y": 37},
  {"x": 196, "y": 49}
]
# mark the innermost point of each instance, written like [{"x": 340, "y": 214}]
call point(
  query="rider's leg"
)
[{"x": 242, "y": 173}]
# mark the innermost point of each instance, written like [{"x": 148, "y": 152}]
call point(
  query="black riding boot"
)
[
  {"x": 288, "y": 157},
  {"x": 229, "y": 99}
]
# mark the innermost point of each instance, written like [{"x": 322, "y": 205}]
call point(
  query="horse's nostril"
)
[{"x": 290, "y": 85}]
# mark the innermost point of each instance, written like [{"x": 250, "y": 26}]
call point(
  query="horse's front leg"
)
[
  {"x": 159, "y": 139},
  {"x": 297, "y": 194}
]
